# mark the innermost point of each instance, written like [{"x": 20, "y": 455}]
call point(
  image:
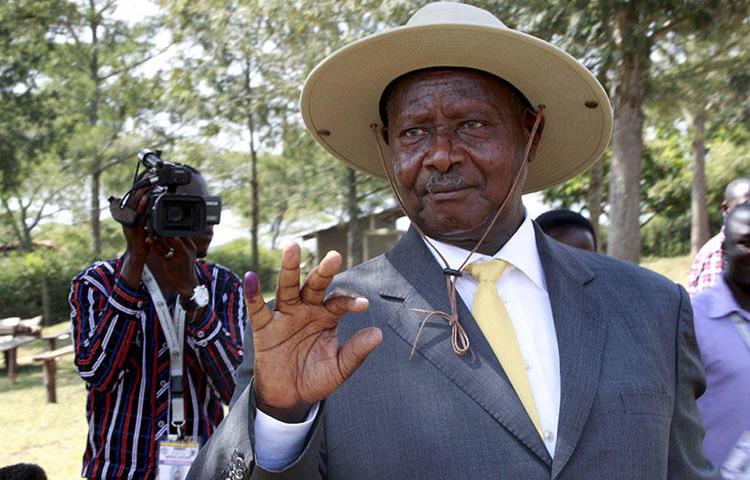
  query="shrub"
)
[
  {"x": 236, "y": 255},
  {"x": 25, "y": 276}
]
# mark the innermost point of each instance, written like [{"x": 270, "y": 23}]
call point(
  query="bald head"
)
[{"x": 738, "y": 191}]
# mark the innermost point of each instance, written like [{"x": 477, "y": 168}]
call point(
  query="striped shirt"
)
[
  {"x": 708, "y": 265},
  {"x": 121, "y": 353}
]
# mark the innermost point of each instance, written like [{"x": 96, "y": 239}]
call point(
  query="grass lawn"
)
[
  {"x": 53, "y": 435},
  {"x": 674, "y": 268}
]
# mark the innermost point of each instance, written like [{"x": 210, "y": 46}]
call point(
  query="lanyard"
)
[
  {"x": 174, "y": 330},
  {"x": 741, "y": 325}
]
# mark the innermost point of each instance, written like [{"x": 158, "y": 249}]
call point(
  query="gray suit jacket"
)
[{"x": 630, "y": 372}]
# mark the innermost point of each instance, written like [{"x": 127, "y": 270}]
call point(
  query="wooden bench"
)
[
  {"x": 16, "y": 326},
  {"x": 50, "y": 369},
  {"x": 52, "y": 338},
  {"x": 9, "y": 325},
  {"x": 9, "y": 346},
  {"x": 31, "y": 326}
]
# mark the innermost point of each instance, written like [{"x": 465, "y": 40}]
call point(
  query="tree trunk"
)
[
  {"x": 254, "y": 208},
  {"x": 96, "y": 173},
  {"x": 595, "y": 198},
  {"x": 255, "y": 261},
  {"x": 624, "y": 236},
  {"x": 699, "y": 233},
  {"x": 13, "y": 222},
  {"x": 96, "y": 233},
  {"x": 353, "y": 238},
  {"x": 94, "y": 210}
]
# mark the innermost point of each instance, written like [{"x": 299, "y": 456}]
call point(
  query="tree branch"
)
[{"x": 134, "y": 65}]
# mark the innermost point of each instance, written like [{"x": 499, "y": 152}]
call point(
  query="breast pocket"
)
[{"x": 653, "y": 403}]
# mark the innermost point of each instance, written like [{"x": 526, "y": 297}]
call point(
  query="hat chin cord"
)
[{"x": 459, "y": 338}]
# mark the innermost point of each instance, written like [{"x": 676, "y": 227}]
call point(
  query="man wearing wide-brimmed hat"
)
[{"x": 477, "y": 347}]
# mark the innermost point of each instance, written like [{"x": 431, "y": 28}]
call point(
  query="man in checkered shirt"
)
[{"x": 708, "y": 264}]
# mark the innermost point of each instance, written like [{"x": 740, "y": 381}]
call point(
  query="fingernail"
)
[{"x": 251, "y": 284}]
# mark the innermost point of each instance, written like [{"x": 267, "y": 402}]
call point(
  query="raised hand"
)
[
  {"x": 137, "y": 242},
  {"x": 298, "y": 358}
]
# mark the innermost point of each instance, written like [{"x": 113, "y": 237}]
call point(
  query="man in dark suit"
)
[{"x": 476, "y": 348}]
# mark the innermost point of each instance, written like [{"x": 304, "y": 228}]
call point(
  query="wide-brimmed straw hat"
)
[{"x": 340, "y": 99}]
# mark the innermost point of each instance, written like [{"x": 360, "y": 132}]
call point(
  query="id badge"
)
[
  {"x": 737, "y": 465},
  {"x": 175, "y": 458}
]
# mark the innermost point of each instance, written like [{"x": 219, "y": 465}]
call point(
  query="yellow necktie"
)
[{"x": 493, "y": 319}]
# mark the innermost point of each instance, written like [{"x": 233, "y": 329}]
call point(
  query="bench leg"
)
[
  {"x": 50, "y": 369},
  {"x": 11, "y": 359}
]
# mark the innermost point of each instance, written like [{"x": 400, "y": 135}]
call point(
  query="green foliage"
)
[
  {"x": 666, "y": 236},
  {"x": 22, "y": 277},
  {"x": 235, "y": 255},
  {"x": 22, "y": 273},
  {"x": 666, "y": 187}
]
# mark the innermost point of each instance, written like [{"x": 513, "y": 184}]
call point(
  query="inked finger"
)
[
  {"x": 287, "y": 291},
  {"x": 354, "y": 352},
  {"x": 257, "y": 309},
  {"x": 341, "y": 301},
  {"x": 317, "y": 282}
]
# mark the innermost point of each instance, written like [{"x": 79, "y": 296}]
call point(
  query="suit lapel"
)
[
  {"x": 422, "y": 286},
  {"x": 580, "y": 339}
]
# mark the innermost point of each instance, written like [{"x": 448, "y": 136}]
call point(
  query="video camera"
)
[{"x": 168, "y": 214}]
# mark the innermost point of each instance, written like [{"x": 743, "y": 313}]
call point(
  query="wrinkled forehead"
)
[{"x": 487, "y": 82}]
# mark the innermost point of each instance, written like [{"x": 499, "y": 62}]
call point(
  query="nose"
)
[{"x": 444, "y": 151}]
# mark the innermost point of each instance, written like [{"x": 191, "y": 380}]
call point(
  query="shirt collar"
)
[
  {"x": 722, "y": 303},
  {"x": 520, "y": 251}
]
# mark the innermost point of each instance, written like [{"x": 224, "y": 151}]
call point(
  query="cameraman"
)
[{"x": 124, "y": 354}]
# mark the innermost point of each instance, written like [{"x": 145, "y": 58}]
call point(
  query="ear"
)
[{"x": 529, "y": 118}]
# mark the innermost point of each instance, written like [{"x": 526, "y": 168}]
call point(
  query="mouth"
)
[
  {"x": 447, "y": 193},
  {"x": 444, "y": 186}
]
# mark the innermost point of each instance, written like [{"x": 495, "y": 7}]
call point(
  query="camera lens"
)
[{"x": 176, "y": 214}]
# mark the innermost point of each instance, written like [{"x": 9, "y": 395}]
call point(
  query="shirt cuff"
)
[
  {"x": 279, "y": 444},
  {"x": 126, "y": 299}
]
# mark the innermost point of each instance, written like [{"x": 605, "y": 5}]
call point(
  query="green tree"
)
[
  {"x": 225, "y": 79},
  {"x": 621, "y": 37},
  {"x": 105, "y": 96},
  {"x": 241, "y": 80},
  {"x": 30, "y": 140},
  {"x": 703, "y": 81}
]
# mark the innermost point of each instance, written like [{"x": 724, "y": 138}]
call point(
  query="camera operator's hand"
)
[
  {"x": 136, "y": 240},
  {"x": 178, "y": 256}
]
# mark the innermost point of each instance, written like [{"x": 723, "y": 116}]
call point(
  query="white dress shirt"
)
[{"x": 523, "y": 289}]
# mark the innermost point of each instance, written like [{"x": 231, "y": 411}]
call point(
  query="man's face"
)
[
  {"x": 574, "y": 236},
  {"x": 737, "y": 246},
  {"x": 457, "y": 138},
  {"x": 197, "y": 186}
]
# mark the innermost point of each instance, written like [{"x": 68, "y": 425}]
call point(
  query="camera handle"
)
[{"x": 122, "y": 213}]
